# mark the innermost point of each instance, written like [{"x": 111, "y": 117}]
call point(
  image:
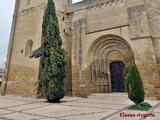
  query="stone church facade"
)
[{"x": 100, "y": 38}]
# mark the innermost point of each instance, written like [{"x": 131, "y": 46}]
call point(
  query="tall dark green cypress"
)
[
  {"x": 134, "y": 84},
  {"x": 52, "y": 56}
]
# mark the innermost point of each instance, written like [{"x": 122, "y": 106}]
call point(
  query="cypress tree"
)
[
  {"x": 52, "y": 57},
  {"x": 134, "y": 85}
]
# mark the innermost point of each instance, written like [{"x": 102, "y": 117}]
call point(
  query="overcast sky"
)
[{"x": 6, "y": 13}]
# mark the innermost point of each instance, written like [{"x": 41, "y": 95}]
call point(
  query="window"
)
[
  {"x": 29, "y": 47},
  {"x": 63, "y": 18},
  {"x": 21, "y": 51}
]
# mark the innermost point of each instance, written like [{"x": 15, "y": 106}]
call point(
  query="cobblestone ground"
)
[{"x": 73, "y": 108}]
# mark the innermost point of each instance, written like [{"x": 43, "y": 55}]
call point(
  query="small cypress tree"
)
[
  {"x": 134, "y": 85},
  {"x": 52, "y": 57}
]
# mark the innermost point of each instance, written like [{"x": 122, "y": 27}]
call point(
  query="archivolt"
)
[{"x": 103, "y": 45}]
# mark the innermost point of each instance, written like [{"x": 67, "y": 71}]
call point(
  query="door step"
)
[{"x": 113, "y": 94}]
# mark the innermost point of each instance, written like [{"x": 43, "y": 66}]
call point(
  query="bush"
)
[
  {"x": 144, "y": 107},
  {"x": 52, "y": 56},
  {"x": 134, "y": 85}
]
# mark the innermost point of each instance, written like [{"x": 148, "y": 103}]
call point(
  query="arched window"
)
[
  {"x": 29, "y": 2},
  {"x": 29, "y": 47}
]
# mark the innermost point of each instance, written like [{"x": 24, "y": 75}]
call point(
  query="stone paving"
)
[{"x": 73, "y": 108}]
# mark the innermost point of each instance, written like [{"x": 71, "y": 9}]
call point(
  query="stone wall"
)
[
  {"x": 22, "y": 73},
  {"x": 153, "y": 12},
  {"x": 94, "y": 21},
  {"x": 95, "y": 33}
]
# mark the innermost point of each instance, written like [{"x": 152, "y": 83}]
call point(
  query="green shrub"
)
[
  {"x": 52, "y": 57},
  {"x": 144, "y": 107},
  {"x": 134, "y": 85}
]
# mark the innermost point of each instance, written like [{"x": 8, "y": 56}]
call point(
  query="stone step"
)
[
  {"x": 68, "y": 94},
  {"x": 113, "y": 94}
]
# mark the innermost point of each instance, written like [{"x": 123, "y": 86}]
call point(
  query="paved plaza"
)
[{"x": 74, "y": 108}]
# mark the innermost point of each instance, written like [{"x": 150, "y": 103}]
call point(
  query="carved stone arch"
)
[
  {"x": 106, "y": 44},
  {"x": 103, "y": 43},
  {"x": 98, "y": 53},
  {"x": 108, "y": 49},
  {"x": 106, "y": 53}
]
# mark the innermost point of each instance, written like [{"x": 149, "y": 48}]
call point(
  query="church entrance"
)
[
  {"x": 117, "y": 76},
  {"x": 107, "y": 69}
]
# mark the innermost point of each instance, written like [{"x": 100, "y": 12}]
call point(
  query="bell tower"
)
[{"x": 22, "y": 73}]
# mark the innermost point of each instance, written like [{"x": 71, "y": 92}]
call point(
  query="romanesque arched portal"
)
[{"x": 103, "y": 52}]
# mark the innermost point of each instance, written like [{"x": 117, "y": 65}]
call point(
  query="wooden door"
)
[{"x": 117, "y": 76}]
